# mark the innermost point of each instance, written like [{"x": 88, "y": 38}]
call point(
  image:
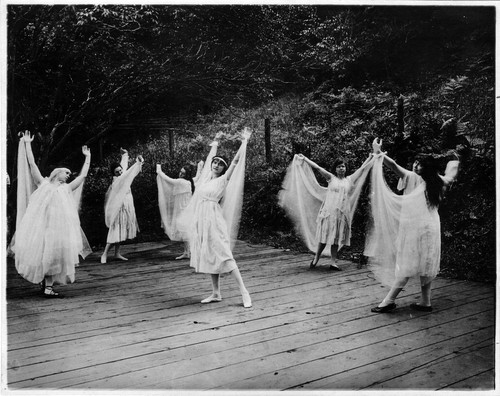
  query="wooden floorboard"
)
[{"x": 140, "y": 325}]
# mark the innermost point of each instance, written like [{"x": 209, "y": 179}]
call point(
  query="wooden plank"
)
[
  {"x": 369, "y": 375},
  {"x": 311, "y": 326},
  {"x": 147, "y": 328},
  {"x": 481, "y": 382},
  {"x": 330, "y": 357},
  {"x": 441, "y": 374}
]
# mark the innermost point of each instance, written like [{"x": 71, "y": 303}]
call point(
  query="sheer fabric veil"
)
[{"x": 301, "y": 197}]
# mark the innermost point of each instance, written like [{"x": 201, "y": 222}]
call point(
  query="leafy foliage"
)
[{"x": 328, "y": 79}]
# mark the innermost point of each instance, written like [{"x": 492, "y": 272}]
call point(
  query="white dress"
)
[
  {"x": 334, "y": 225},
  {"x": 119, "y": 206},
  {"x": 209, "y": 238},
  {"x": 49, "y": 238},
  {"x": 405, "y": 236},
  {"x": 319, "y": 214},
  {"x": 409, "y": 182},
  {"x": 418, "y": 244}
]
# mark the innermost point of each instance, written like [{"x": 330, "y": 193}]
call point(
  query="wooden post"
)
[
  {"x": 267, "y": 139},
  {"x": 401, "y": 114},
  {"x": 171, "y": 142}
]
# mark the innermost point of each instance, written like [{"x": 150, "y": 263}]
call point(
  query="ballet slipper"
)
[
  {"x": 212, "y": 298},
  {"x": 120, "y": 257},
  {"x": 182, "y": 256},
  {"x": 104, "y": 258},
  {"x": 247, "y": 301},
  {"x": 48, "y": 292}
]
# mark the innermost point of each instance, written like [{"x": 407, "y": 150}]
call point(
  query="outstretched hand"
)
[
  {"x": 377, "y": 145},
  {"x": 26, "y": 136},
  {"x": 85, "y": 151},
  {"x": 123, "y": 151},
  {"x": 246, "y": 133},
  {"x": 200, "y": 164},
  {"x": 219, "y": 135},
  {"x": 158, "y": 168},
  {"x": 140, "y": 158}
]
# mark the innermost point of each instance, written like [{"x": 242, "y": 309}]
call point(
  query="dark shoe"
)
[
  {"x": 418, "y": 307},
  {"x": 48, "y": 292},
  {"x": 387, "y": 308},
  {"x": 313, "y": 264},
  {"x": 335, "y": 268}
]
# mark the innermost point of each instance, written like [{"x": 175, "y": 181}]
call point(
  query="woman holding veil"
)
[
  {"x": 48, "y": 239},
  {"x": 212, "y": 219},
  {"x": 322, "y": 215},
  {"x": 405, "y": 238},
  {"x": 174, "y": 196}
]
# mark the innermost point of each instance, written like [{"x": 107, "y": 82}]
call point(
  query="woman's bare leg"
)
[
  {"x": 117, "y": 253},
  {"x": 215, "y": 296},
  {"x": 104, "y": 256}
]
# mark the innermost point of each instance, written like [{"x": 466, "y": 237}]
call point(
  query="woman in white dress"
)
[
  {"x": 173, "y": 197},
  {"x": 119, "y": 209},
  {"x": 48, "y": 239},
  {"x": 405, "y": 240},
  {"x": 323, "y": 216},
  {"x": 212, "y": 224}
]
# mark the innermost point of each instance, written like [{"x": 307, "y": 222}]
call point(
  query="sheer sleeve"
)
[
  {"x": 404, "y": 181},
  {"x": 301, "y": 197},
  {"x": 233, "y": 197},
  {"x": 205, "y": 173},
  {"x": 169, "y": 190},
  {"x": 380, "y": 244},
  {"x": 25, "y": 182},
  {"x": 116, "y": 193},
  {"x": 451, "y": 172},
  {"x": 124, "y": 161}
]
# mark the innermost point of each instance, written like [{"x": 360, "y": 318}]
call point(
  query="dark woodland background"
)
[{"x": 161, "y": 81}]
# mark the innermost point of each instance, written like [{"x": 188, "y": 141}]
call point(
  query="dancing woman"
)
[
  {"x": 119, "y": 209},
  {"x": 173, "y": 197},
  {"x": 212, "y": 224},
  {"x": 48, "y": 239},
  {"x": 323, "y": 216},
  {"x": 405, "y": 240}
]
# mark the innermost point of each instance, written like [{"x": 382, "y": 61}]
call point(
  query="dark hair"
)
[
  {"x": 338, "y": 161},
  {"x": 225, "y": 160},
  {"x": 189, "y": 175},
  {"x": 434, "y": 183},
  {"x": 113, "y": 166}
]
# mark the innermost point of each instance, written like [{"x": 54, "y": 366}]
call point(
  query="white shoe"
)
[
  {"x": 120, "y": 257},
  {"x": 182, "y": 256},
  {"x": 247, "y": 301},
  {"x": 104, "y": 258},
  {"x": 211, "y": 298}
]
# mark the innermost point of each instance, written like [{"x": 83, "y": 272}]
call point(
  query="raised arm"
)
[
  {"x": 84, "y": 172},
  {"x": 35, "y": 172},
  {"x": 198, "y": 171},
  {"x": 327, "y": 175},
  {"x": 355, "y": 176},
  {"x": 161, "y": 174},
  {"x": 124, "y": 160},
  {"x": 389, "y": 162},
  {"x": 245, "y": 135}
]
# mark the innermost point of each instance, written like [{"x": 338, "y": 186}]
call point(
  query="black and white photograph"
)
[{"x": 248, "y": 197}]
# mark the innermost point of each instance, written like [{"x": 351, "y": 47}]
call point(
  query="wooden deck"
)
[{"x": 139, "y": 325}]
